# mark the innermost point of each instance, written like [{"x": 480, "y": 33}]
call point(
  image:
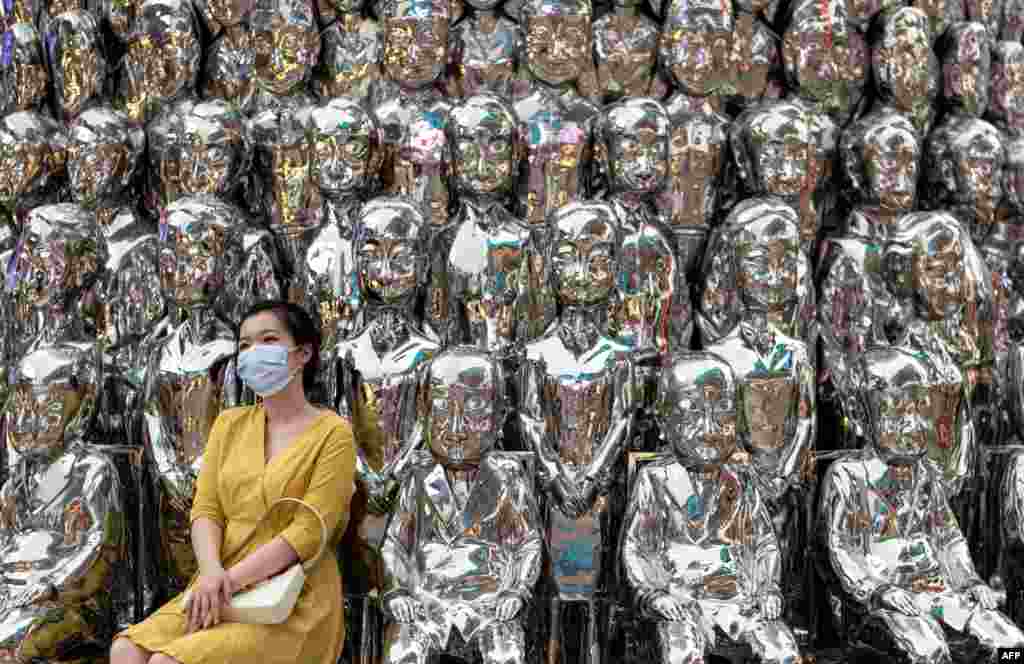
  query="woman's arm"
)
[
  {"x": 268, "y": 560},
  {"x": 207, "y": 536}
]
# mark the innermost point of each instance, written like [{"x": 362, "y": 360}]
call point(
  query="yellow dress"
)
[{"x": 234, "y": 489}]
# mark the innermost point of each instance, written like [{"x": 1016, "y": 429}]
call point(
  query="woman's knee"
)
[
  {"x": 160, "y": 658},
  {"x": 123, "y": 651}
]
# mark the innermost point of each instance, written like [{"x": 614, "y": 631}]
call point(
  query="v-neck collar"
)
[{"x": 291, "y": 444}]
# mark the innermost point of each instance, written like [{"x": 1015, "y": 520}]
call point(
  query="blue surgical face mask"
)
[{"x": 264, "y": 368}]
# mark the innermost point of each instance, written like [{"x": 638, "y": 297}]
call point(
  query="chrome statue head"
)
[
  {"x": 344, "y": 70},
  {"x": 625, "y": 55},
  {"x": 33, "y": 150},
  {"x": 221, "y": 14},
  {"x": 54, "y": 398},
  {"x": 634, "y": 135},
  {"x": 74, "y": 46},
  {"x": 487, "y": 143},
  {"x": 104, "y": 150},
  {"x": 881, "y": 156},
  {"x": 464, "y": 404},
  {"x": 696, "y": 46},
  {"x": 1006, "y": 105},
  {"x": 391, "y": 252},
  {"x": 283, "y": 161},
  {"x": 696, "y": 408},
  {"x": 287, "y": 45},
  {"x": 966, "y": 68},
  {"x": 931, "y": 262},
  {"x": 895, "y": 394},
  {"x": 964, "y": 171},
  {"x": 199, "y": 237},
  {"x": 132, "y": 296},
  {"x": 346, "y": 147},
  {"x": 415, "y": 41},
  {"x": 23, "y": 76},
  {"x": 903, "y": 64},
  {"x": 771, "y": 144},
  {"x": 162, "y": 61},
  {"x": 824, "y": 59},
  {"x": 558, "y": 36},
  {"x": 583, "y": 252}
]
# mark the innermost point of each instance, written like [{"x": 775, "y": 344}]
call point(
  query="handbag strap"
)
[{"x": 311, "y": 563}]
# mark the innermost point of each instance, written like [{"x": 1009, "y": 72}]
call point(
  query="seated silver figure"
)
[
  {"x": 900, "y": 561},
  {"x": 698, "y": 547},
  {"x": 463, "y": 548}
]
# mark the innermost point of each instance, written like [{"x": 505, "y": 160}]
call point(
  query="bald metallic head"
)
[{"x": 697, "y": 408}]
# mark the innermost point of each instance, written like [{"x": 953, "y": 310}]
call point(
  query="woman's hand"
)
[{"x": 212, "y": 592}]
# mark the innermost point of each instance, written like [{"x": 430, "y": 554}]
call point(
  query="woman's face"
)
[{"x": 266, "y": 328}]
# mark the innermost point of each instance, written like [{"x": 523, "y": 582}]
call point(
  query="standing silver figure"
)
[
  {"x": 944, "y": 288},
  {"x": 698, "y": 547},
  {"x": 24, "y": 79},
  {"x": 463, "y": 547},
  {"x": 162, "y": 62},
  {"x": 880, "y": 157},
  {"x": 75, "y": 51},
  {"x": 61, "y": 522},
  {"x": 488, "y": 286},
  {"x": 757, "y": 273},
  {"x": 190, "y": 375},
  {"x": 577, "y": 401},
  {"x": 901, "y": 567},
  {"x": 558, "y": 118}
]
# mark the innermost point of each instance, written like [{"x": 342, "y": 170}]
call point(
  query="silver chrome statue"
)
[
  {"x": 576, "y": 406},
  {"x": 904, "y": 67},
  {"x": 900, "y": 562},
  {"x": 698, "y": 547},
  {"x": 287, "y": 46},
  {"x": 558, "y": 117},
  {"x": 625, "y": 51},
  {"x": 486, "y": 52},
  {"x": 75, "y": 51},
  {"x": 190, "y": 374},
  {"x": 965, "y": 54},
  {"x": 350, "y": 55},
  {"x": 62, "y": 529},
  {"x": 463, "y": 548},
  {"x": 23, "y": 76},
  {"x": 32, "y": 154},
  {"x": 162, "y": 63},
  {"x": 488, "y": 284},
  {"x": 231, "y": 58}
]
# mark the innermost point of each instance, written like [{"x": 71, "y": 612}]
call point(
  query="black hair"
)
[{"x": 303, "y": 328}]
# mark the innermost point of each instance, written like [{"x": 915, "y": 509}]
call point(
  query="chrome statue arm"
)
[
  {"x": 847, "y": 531},
  {"x": 803, "y": 438},
  {"x": 950, "y": 543},
  {"x": 767, "y": 568},
  {"x": 399, "y": 548},
  {"x": 623, "y": 412},
  {"x": 643, "y": 541},
  {"x": 718, "y": 303},
  {"x": 524, "y": 538},
  {"x": 535, "y": 414}
]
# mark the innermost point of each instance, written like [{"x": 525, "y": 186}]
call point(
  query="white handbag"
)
[{"x": 270, "y": 602}]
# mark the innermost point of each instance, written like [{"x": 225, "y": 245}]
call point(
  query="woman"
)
[{"x": 255, "y": 455}]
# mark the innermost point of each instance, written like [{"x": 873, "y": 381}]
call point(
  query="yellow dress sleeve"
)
[
  {"x": 206, "y": 504},
  {"x": 329, "y": 491}
]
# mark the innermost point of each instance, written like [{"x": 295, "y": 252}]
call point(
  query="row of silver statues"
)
[{"x": 515, "y": 229}]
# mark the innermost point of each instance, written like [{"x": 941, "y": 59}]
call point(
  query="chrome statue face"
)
[
  {"x": 635, "y": 135},
  {"x": 346, "y": 146},
  {"x": 557, "y": 39},
  {"x": 58, "y": 259},
  {"x": 348, "y": 69},
  {"x": 197, "y": 233},
  {"x": 696, "y": 408},
  {"x": 214, "y": 146},
  {"x": 767, "y": 246},
  {"x": 1006, "y": 106},
  {"x": 625, "y": 50},
  {"x": 696, "y": 154},
  {"x": 104, "y": 148},
  {"x": 988, "y": 13},
  {"x": 583, "y": 256},
  {"x": 283, "y": 161},
  {"x": 79, "y": 68},
  {"x": 287, "y": 45},
  {"x": 133, "y": 299},
  {"x": 220, "y": 14},
  {"x": 465, "y": 402},
  {"x": 903, "y": 63},
  {"x": 965, "y": 171},
  {"x": 880, "y": 156},
  {"x": 390, "y": 249},
  {"x": 162, "y": 59},
  {"x": 487, "y": 144},
  {"x": 415, "y": 41},
  {"x": 24, "y": 78},
  {"x": 32, "y": 153},
  {"x": 927, "y": 254},
  {"x": 485, "y": 55},
  {"x": 896, "y": 394},
  {"x": 755, "y": 54},
  {"x": 772, "y": 145},
  {"x": 966, "y": 68},
  {"x": 823, "y": 58},
  {"x": 54, "y": 395},
  {"x": 696, "y": 46}
]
